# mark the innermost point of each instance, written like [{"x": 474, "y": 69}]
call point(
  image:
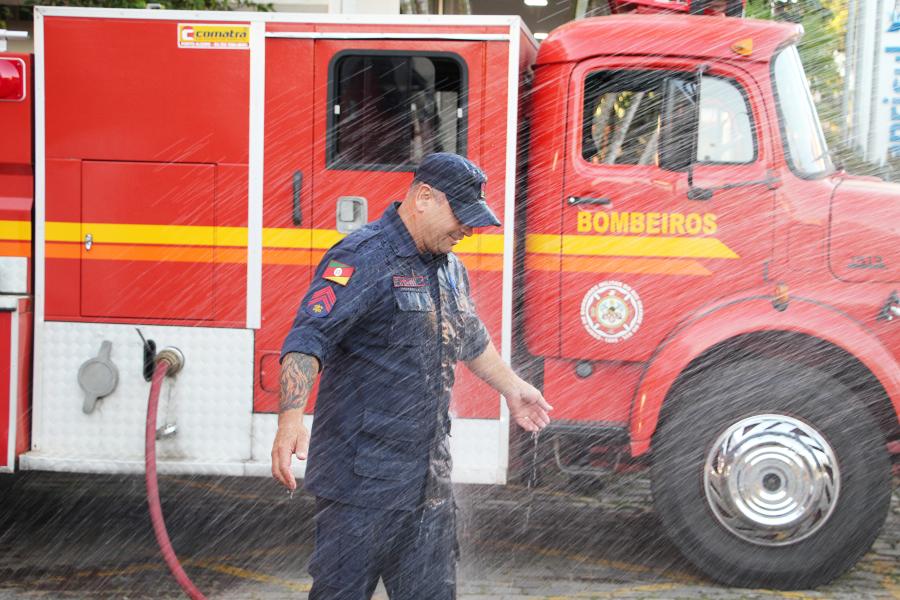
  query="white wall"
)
[
  {"x": 369, "y": 7},
  {"x": 347, "y": 7},
  {"x": 873, "y": 79}
]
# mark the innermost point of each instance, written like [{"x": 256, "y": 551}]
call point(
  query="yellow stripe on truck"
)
[
  {"x": 177, "y": 235},
  {"x": 322, "y": 239},
  {"x": 62, "y": 232},
  {"x": 15, "y": 230},
  {"x": 199, "y": 235}
]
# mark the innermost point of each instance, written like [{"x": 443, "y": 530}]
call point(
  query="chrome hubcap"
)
[{"x": 771, "y": 480}]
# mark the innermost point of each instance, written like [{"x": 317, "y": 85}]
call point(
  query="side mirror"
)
[
  {"x": 700, "y": 186},
  {"x": 695, "y": 193}
]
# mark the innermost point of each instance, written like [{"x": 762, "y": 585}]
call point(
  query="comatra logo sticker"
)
[
  {"x": 612, "y": 311},
  {"x": 201, "y": 35}
]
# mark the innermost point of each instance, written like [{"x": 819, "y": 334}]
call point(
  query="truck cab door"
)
[{"x": 640, "y": 250}]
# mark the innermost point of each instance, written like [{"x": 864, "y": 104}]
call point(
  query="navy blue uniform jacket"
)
[{"x": 388, "y": 342}]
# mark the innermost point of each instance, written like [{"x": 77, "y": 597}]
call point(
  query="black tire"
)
[{"x": 720, "y": 397}]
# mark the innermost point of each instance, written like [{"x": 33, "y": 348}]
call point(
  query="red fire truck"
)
[{"x": 695, "y": 285}]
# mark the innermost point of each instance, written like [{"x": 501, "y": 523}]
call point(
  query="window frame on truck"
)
[
  {"x": 332, "y": 137},
  {"x": 829, "y": 167},
  {"x": 663, "y": 77}
]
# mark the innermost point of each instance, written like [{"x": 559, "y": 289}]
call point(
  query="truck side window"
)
[
  {"x": 621, "y": 117},
  {"x": 805, "y": 146},
  {"x": 725, "y": 131},
  {"x": 725, "y": 134},
  {"x": 390, "y": 110},
  {"x": 630, "y": 117}
]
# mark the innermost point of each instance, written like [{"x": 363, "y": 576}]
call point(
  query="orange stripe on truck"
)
[
  {"x": 8, "y": 248},
  {"x": 644, "y": 266}
]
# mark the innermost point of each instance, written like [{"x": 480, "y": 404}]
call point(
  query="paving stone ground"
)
[{"x": 64, "y": 536}]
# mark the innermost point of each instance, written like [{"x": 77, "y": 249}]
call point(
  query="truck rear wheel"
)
[{"x": 767, "y": 474}]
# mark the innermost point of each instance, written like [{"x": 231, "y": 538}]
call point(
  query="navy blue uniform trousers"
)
[{"x": 415, "y": 552}]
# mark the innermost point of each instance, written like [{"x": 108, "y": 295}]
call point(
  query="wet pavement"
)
[{"x": 67, "y": 536}]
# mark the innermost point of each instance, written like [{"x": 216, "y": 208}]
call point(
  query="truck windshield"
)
[{"x": 805, "y": 146}]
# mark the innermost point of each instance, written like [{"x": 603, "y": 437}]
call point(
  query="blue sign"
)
[{"x": 895, "y": 18}]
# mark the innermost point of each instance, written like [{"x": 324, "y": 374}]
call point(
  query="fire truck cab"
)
[
  {"x": 708, "y": 291},
  {"x": 693, "y": 283}
]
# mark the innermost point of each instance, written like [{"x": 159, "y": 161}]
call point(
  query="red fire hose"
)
[{"x": 167, "y": 362}]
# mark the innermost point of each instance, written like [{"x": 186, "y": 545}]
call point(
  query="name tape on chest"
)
[{"x": 409, "y": 281}]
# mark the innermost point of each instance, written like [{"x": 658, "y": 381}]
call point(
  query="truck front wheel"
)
[{"x": 768, "y": 474}]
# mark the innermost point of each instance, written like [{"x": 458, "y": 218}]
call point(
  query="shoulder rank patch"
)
[
  {"x": 338, "y": 272},
  {"x": 321, "y": 302},
  {"x": 409, "y": 281}
]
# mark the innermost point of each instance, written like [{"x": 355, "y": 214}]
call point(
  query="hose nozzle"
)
[{"x": 173, "y": 357}]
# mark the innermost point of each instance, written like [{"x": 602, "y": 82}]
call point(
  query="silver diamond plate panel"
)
[
  {"x": 210, "y": 401},
  {"x": 13, "y": 275}
]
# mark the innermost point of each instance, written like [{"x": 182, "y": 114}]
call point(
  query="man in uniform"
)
[{"x": 386, "y": 318}]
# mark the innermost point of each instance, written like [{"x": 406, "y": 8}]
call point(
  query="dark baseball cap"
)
[{"x": 463, "y": 184}]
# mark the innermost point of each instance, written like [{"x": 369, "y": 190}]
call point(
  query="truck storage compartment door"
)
[
  {"x": 147, "y": 240},
  {"x": 347, "y": 122},
  {"x": 146, "y": 151},
  {"x": 15, "y": 370},
  {"x": 388, "y": 104}
]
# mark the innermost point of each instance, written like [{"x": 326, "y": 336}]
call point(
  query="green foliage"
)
[
  {"x": 818, "y": 49},
  {"x": 824, "y": 23},
  {"x": 13, "y": 13},
  {"x": 758, "y": 9},
  {"x": 24, "y": 12},
  {"x": 821, "y": 48}
]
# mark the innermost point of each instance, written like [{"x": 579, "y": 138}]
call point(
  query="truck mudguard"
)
[{"x": 752, "y": 314}]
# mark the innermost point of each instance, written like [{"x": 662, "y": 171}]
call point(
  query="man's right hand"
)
[
  {"x": 291, "y": 438},
  {"x": 298, "y": 374}
]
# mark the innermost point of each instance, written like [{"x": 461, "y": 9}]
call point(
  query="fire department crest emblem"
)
[{"x": 612, "y": 311}]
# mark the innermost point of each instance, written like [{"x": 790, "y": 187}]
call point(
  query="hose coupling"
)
[{"x": 173, "y": 357}]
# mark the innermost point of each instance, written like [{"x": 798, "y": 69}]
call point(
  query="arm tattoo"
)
[{"x": 298, "y": 374}]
